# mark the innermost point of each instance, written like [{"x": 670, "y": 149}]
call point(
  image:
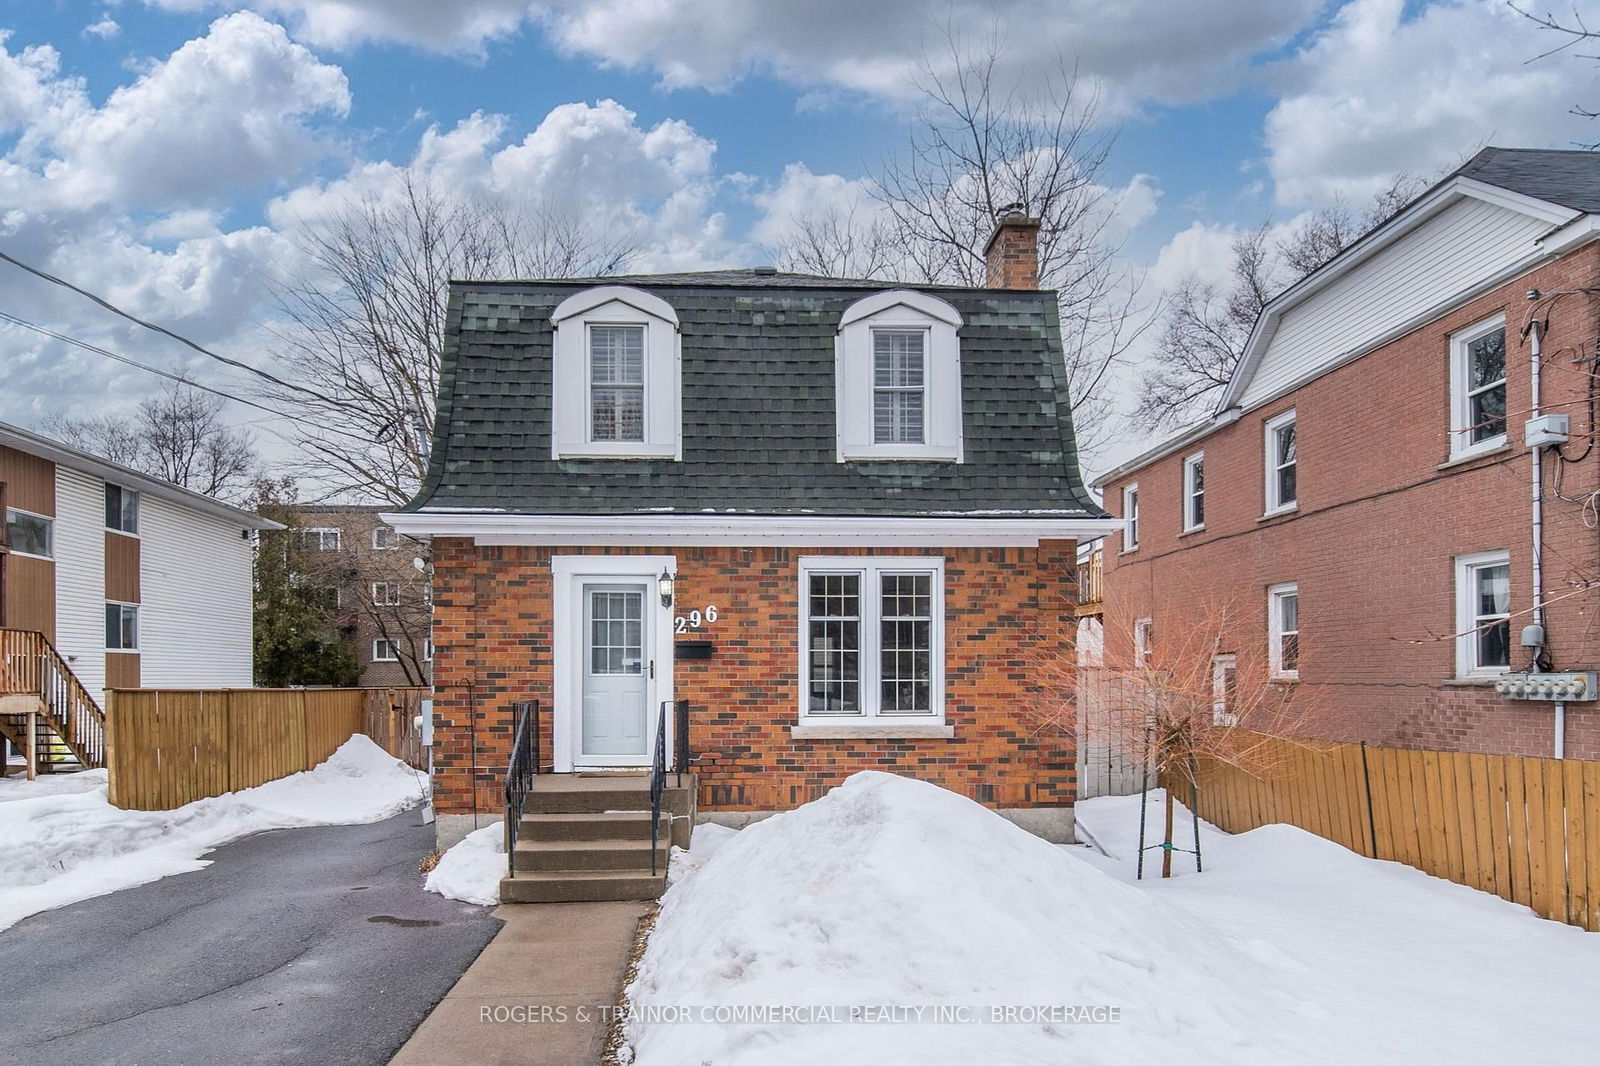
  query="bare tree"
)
[
  {"x": 178, "y": 436},
  {"x": 1569, "y": 32},
  {"x": 365, "y": 323},
  {"x": 981, "y": 143},
  {"x": 1206, "y": 325}
]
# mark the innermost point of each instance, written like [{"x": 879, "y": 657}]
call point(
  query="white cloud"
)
[
  {"x": 1385, "y": 89},
  {"x": 104, "y": 28},
  {"x": 1201, "y": 251},
  {"x": 460, "y": 26}
]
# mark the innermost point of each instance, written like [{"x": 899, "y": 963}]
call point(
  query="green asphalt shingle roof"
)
[{"x": 758, "y": 408}]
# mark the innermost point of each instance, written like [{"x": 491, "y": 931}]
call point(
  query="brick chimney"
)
[{"x": 1011, "y": 258}]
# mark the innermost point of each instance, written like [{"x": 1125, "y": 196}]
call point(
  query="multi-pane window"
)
[
  {"x": 384, "y": 539},
  {"x": 616, "y": 383},
  {"x": 1130, "y": 518},
  {"x": 122, "y": 509},
  {"x": 1478, "y": 387},
  {"x": 1283, "y": 490},
  {"x": 616, "y": 632},
  {"x": 386, "y": 593},
  {"x": 899, "y": 383},
  {"x": 320, "y": 540},
  {"x": 122, "y": 627},
  {"x": 872, "y": 641},
  {"x": 1283, "y": 628},
  {"x": 384, "y": 651},
  {"x": 30, "y": 534},
  {"x": 1483, "y": 609},
  {"x": 1194, "y": 492}
]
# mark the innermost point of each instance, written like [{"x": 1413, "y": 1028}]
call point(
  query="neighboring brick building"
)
[
  {"x": 1361, "y": 501},
  {"x": 380, "y": 598},
  {"x": 861, "y": 501}
]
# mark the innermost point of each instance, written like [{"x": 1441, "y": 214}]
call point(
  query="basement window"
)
[{"x": 872, "y": 648}]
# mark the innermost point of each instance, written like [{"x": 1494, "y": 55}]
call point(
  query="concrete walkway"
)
[{"x": 536, "y": 996}]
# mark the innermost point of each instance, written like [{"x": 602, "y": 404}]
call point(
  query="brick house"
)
[
  {"x": 837, "y": 517},
  {"x": 1361, "y": 501}
]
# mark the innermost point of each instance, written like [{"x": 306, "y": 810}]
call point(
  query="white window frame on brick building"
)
[
  {"x": 384, "y": 651},
  {"x": 321, "y": 538},
  {"x": 385, "y": 539},
  {"x": 1224, "y": 689},
  {"x": 897, "y": 375},
  {"x": 1471, "y": 570},
  {"x": 871, "y": 577},
  {"x": 1194, "y": 492},
  {"x": 386, "y": 594},
  {"x": 591, "y": 374},
  {"x": 1277, "y": 500},
  {"x": 1464, "y": 394},
  {"x": 1279, "y": 631},
  {"x": 1130, "y": 517},
  {"x": 1144, "y": 630}
]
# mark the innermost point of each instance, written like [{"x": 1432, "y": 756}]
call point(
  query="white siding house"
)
[
  {"x": 195, "y": 575},
  {"x": 80, "y": 576}
]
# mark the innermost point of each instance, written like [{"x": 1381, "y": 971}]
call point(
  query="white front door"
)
[{"x": 617, "y": 667}]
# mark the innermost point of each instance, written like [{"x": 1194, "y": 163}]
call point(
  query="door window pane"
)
[{"x": 616, "y": 632}]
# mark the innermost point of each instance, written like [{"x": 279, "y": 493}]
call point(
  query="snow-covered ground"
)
[
  {"x": 471, "y": 870},
  {"x": 993, "y": 946},
  {"x": 61, "y": 841}
]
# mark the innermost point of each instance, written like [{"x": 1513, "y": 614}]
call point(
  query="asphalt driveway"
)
[{"x": 298, "y": 946}]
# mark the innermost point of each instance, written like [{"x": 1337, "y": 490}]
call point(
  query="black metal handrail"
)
[
  {"x": 520, "y": 770},
  {"x": 680, "y": 739},
  {"x": 658, "y": 782}
]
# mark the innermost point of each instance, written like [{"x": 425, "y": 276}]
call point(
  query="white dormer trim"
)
[
  {"x": 571, "y": 419},
  {"x": 938, "y": 322}
]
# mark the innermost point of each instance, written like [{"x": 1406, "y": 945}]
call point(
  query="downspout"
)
[{"x": 1559, "y": 741}]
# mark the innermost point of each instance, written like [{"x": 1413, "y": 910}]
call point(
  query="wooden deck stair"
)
[
  {"x": 37, "y": 686},
  {"x": 586, "y": 837}
]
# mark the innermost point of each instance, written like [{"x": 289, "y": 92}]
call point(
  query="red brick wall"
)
[
  {"x": 1003, "y": 609},
  {"x": 1372, "y": 546}
]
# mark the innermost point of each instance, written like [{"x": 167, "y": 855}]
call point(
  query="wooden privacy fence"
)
[
  {"x": 1525, "y": 829},
  {"x": 168, "y": 747}
]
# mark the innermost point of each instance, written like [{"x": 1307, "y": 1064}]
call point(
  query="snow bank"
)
[
  {"x": 61, "y": 844},
  {"x": 471, "y": 870},
  {"x": 889, "y": 892}
]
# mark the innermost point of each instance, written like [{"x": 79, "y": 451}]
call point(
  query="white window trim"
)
[
  {"x": 1141, "y": 642},
  {"x": 137, "y": 626},
  {"x": 392, "y": 657},
  {"x": 1197, "y": 460},
  {"x": 571, "y": 417},
  {"x": 942, "y": 433},
  {"x": 1466, "y": 633},
  {"x": 1130, "y": 518},
  {"x": 1276, "y": 632},
  {"x": 872, "y": 567},
  {"x": 338, "y": 537},
  {"x": 1273, "y": 505},
  {"x": 385, "y": 547},
  {"x": 1221, "y": 714},
  {"x": 427, "y": 650},
  {"x": 138, "y": 511},
  {"x": 50, "y": 534},
  {"x": 1461, "y": 447},
  {"x": 392, "y": 593}
]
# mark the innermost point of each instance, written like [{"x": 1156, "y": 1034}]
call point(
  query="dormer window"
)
[
  {"x": 616, "y": 367},
  {"x": 898, "y": 378}
]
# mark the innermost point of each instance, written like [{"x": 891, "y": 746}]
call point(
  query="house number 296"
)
[{"x": 695, "y": 619}]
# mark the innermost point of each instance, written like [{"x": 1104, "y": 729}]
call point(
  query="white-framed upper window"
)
[
  {"x": 1483, "y": 614},
  {"x": 385, "y": 539},
  {"x": 1194, "y": 492},
  {"x": 616, "y": 376},
  {"x": 871, "y": 640},
  {"x": 1224, "y": 690},
  {"x": 122, "y": 509},
  {"x": 1283, "y": 631},
  {"x": 30, "y": 534},
  {"x": 1478, "y": 388},
  {"x": 384, "y": 651},
  {"x": 1130, "y": 517},
  {"x": 897, "y": 374},
  {"x": 320, "y": 539},
  {"x": 122, "y": 627},
  {"x": 1283, "y": 461},
  {"x": 427, "y": 651},
  {"x": 1144, "y": 633},
  {"x": 386, "y": 593}
]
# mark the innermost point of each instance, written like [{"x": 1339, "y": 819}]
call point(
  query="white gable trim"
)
[
  {"x": 878, "y": 302},
  {"x": 638, "y": 299}
]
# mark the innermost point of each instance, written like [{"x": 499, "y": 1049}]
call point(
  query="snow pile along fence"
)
[
  {"x": 170, "y": 747},
  {"x": 1525, "y": 829}
]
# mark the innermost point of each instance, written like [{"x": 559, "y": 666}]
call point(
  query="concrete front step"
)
[
  {"x": 571, "y": 887},
  {"x": 598, "y": 796},
  {"x": 612, "y": 825},
  {"x": 552, "y": 856}
]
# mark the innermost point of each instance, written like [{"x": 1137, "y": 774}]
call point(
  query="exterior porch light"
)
[{"x": 666, "y": 584}]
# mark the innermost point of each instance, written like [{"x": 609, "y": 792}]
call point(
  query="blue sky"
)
[{"x": 163, "y": 151}]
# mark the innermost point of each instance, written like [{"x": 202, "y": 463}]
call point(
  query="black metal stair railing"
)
[{"x": 523, "y": 766}]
